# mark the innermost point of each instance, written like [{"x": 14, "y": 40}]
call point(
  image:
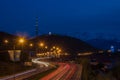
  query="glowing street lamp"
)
[
  {"x": 53, "y": 47},
  {"x": 6, "y": 41},
  {"x": 21, "y": 40},
  {"x": 31, "y": 44},
  {"x": 57, "y": 48},
  {"x": 41, "y": 44},
  {"x": 46, "y": 47}
]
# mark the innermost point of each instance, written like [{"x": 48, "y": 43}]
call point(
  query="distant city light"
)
[
  {"x": 101, "y": 51},
  {"x": 31, "y": 44},
  {"x": 46, "y": 47},
  {"x": 53, "y": 47},
  {"x": 21, "y": 40},
  {"x": 118, "y": 50},
  {"x": 41, "y": 44},
  {"x": 109, "y": 51},
  {"x": 6, "y": 41},
  {"x": 50, "y": 33},
  {"x": 112, "y": 48},
  {"x": 57, "y": 48}
]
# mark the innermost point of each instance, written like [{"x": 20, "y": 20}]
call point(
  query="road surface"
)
[{"x": 66, "y": 71}]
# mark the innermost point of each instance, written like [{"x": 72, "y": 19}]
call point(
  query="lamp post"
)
[
  {"x": 45, "y": 51},
  {"x": 31, "y": 45},
  {"x": 21, "y": 40},
  {"x": 14, "y": 48},
  {"x": 6, "y": 42},
  {"x": 30, "y": 51},
  {"x": 41, "y": 44},
  {"x": 46, "y": 47}
]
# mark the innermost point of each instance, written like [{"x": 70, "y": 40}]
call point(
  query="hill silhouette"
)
[
  {"x": 66, "y": 43},
  {"x": 4, "y": 35}
]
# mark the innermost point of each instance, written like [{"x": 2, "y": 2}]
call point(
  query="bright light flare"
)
[
  {"x": 31, "y": 44},
  {"x": 41, "y": 44},
  {"x": 21, "y": 40},
  {"x": 6, "y": 41}
]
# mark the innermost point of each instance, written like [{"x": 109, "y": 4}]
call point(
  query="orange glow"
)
[
  {"x": 31, "y": 44},
  {"x": 6, "y": 41},
  {"x": 41, "y": 44},
  {"x": 21, "y": 40}
]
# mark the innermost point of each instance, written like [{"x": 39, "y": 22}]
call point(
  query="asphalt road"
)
[{"x": 66, "y": 71}]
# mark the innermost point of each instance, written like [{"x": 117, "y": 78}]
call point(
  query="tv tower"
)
[
  {"x": 36, "y": 25},
  {"x": 36, "y": 35}
]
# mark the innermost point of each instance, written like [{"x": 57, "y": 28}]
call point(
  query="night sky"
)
[{"x": 79, "y": 18}]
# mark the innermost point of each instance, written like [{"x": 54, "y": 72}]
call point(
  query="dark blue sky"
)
[{"x": 86, "y": 18}]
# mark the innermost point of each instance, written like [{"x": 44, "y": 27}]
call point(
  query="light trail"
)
[
  {"x": 66, "y": 71},
  {"x": 37, "y": 60}
]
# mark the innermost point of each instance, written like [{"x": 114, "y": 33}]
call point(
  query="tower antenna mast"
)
[
  {"x": 36, "y": 35},
  {"x": 37, "y": 27}
]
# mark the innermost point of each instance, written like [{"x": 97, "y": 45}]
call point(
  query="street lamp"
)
[
  {"x": 53, "y": 47},
  {"x": 21, "y": 41},
  {"x": 57, "y": 48},
  {"x": 31, "y": 44},
  {"x": 41, "y": 44},
  {"x": 6, "y": 41},
  {"x": 30, "y": 53},
  {"x": 46, "y": 47}
]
